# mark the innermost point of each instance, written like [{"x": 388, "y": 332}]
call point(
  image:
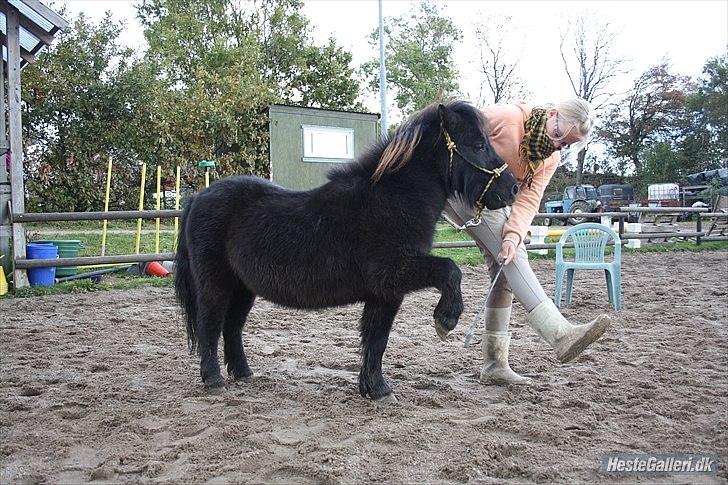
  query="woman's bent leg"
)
[{"x": 568, "y": 340}]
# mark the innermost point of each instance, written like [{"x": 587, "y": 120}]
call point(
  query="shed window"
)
[{"x": 327, "y": 144}]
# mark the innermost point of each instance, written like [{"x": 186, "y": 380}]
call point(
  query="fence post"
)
[{"x": 698, "y": 229}]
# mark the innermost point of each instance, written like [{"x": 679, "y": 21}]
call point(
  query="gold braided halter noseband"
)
[{"x": 494, "y": 174}]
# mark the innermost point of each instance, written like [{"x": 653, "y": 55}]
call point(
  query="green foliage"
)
[
  {"x": 708, "y": 135},
  {"x": 223, "y": 62},
  {"x": 668, "y": 127},
  {"x": 661, "y": 163},
  {"x": 84, "y": 101},
  {"x": 200, "y": 92},
  {"x": 419, "y": 49}
]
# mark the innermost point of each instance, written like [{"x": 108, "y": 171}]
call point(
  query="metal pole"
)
[{"x": 382, "y": 78}]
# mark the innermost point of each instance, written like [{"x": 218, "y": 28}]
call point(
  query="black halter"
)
[{"x": 494, "y": 174}]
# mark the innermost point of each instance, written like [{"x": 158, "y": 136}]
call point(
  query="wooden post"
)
[
  {"x": 15, "y": 125},
  {"x": 6, "y": 263},
  {"x": 698, "y": 228}
]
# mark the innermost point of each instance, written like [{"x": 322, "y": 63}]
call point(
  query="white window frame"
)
[{"x": 312, "y": 154}]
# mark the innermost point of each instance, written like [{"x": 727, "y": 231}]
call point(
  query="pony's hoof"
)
[
  {"x": 215, "y": 386},
  {"x": 442, "y": 329},
  {"x": 243, "y": 375},
  {"x": 388, "y": 398}
]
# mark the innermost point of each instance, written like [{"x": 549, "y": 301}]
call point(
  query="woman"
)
[{"x": 529, "y": 140}]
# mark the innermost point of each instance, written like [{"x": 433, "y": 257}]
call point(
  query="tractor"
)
[{"x": 576, "y": 199}]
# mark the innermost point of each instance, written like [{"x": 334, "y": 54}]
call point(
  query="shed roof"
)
[{"x": 38, "y": 26}]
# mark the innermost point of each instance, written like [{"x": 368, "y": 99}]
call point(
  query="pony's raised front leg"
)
[
  {"x": 427, "y": 271},
  {"x": 240, "y": 304},
  {"x": 374, "y": 327},
  {"x": 450, "y": 307}
]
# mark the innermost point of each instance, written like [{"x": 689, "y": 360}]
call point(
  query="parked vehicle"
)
[
  {"x": 576, "y": 199},
  {"x": 614, "y": 196}
]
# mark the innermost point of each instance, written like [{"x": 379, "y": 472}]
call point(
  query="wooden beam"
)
[
  {"x": 6, "y": 265},
  {"x": 15, "y": 128},
  {"x": 46, "y": 13}
]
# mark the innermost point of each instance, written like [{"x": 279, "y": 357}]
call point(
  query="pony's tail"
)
[{"x": 184, "y": 284}]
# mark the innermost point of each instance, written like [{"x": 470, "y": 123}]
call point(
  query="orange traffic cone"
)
[{"x": 156, "y": 269}]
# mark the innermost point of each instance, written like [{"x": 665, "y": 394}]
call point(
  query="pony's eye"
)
[{"x": 479, "y": 145}]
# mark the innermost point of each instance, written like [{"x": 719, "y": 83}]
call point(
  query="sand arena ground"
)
[{"x": 100, "y": 387}]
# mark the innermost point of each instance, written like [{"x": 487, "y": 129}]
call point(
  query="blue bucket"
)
[{"x": 41, "y": 276}]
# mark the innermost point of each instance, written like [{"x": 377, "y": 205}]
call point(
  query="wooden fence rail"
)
[{"x": 24, "y": 218}]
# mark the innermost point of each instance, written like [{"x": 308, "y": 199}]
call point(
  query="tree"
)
[
  {"x": 590, "y": 64},
  {"x": 419, "y": 51},
  {"x": 708, "y": 105},
  {"x": 271, "y": 37},
  {"x": 498, "y": 60},
  {"x": 85, "y": 99},
  {"x": 653, "y": 110},
  {"x": 224, "y": 62}
]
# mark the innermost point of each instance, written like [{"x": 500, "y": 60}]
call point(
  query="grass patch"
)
[
  {"x": 86, "y": 285},
  {"x": 472, "y": 256},
  {"x": 96, "y": 225},
  {"x": 116, "y": 243}
]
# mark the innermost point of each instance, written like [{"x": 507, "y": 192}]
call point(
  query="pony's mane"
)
[{"x": 391, "y": 154}]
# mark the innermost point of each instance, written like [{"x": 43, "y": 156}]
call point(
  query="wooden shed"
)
[{"x": 306, "y": 142}]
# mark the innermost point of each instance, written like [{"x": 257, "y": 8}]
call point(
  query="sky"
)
[{"x": 686, "y": 33}]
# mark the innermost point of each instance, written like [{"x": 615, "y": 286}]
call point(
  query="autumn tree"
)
[{"x": 652, "y": 111}]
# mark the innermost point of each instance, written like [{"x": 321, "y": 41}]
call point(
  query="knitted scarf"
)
[{"x": 536, "y": 145}]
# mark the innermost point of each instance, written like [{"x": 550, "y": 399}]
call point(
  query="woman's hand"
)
[{"x": 507, "y": 252}]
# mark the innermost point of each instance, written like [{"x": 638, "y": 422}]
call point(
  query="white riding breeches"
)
[{"x": 520, "y": 279}]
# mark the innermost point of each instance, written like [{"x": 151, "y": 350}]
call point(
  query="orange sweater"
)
[{"x": 506, "y": 131}]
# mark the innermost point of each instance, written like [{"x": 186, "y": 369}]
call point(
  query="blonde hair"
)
[{"x": 577, "y": 112}]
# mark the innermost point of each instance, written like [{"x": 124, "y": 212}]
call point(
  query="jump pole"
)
[
  {"x": 176, "y": 207},
  {"x": 141, "y": 207},
  {"x": 159, "y": 206},
  {"x": 106, "y": 208}
]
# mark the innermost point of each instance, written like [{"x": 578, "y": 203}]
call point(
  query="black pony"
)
[{"x": 364, "y": 236}]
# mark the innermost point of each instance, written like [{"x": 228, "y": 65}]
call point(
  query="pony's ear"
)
[{"x": 447, "y": 118}]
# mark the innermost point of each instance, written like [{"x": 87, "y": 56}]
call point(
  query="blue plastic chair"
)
[{"x": 590, "y": 240}]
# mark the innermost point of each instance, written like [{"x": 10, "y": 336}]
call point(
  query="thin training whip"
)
[{"x": 481, "y": 314}]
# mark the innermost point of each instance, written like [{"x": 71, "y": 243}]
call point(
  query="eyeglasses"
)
[
  {"x": 558, "y": 136},
  {"x": 557, "y": 132}
]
